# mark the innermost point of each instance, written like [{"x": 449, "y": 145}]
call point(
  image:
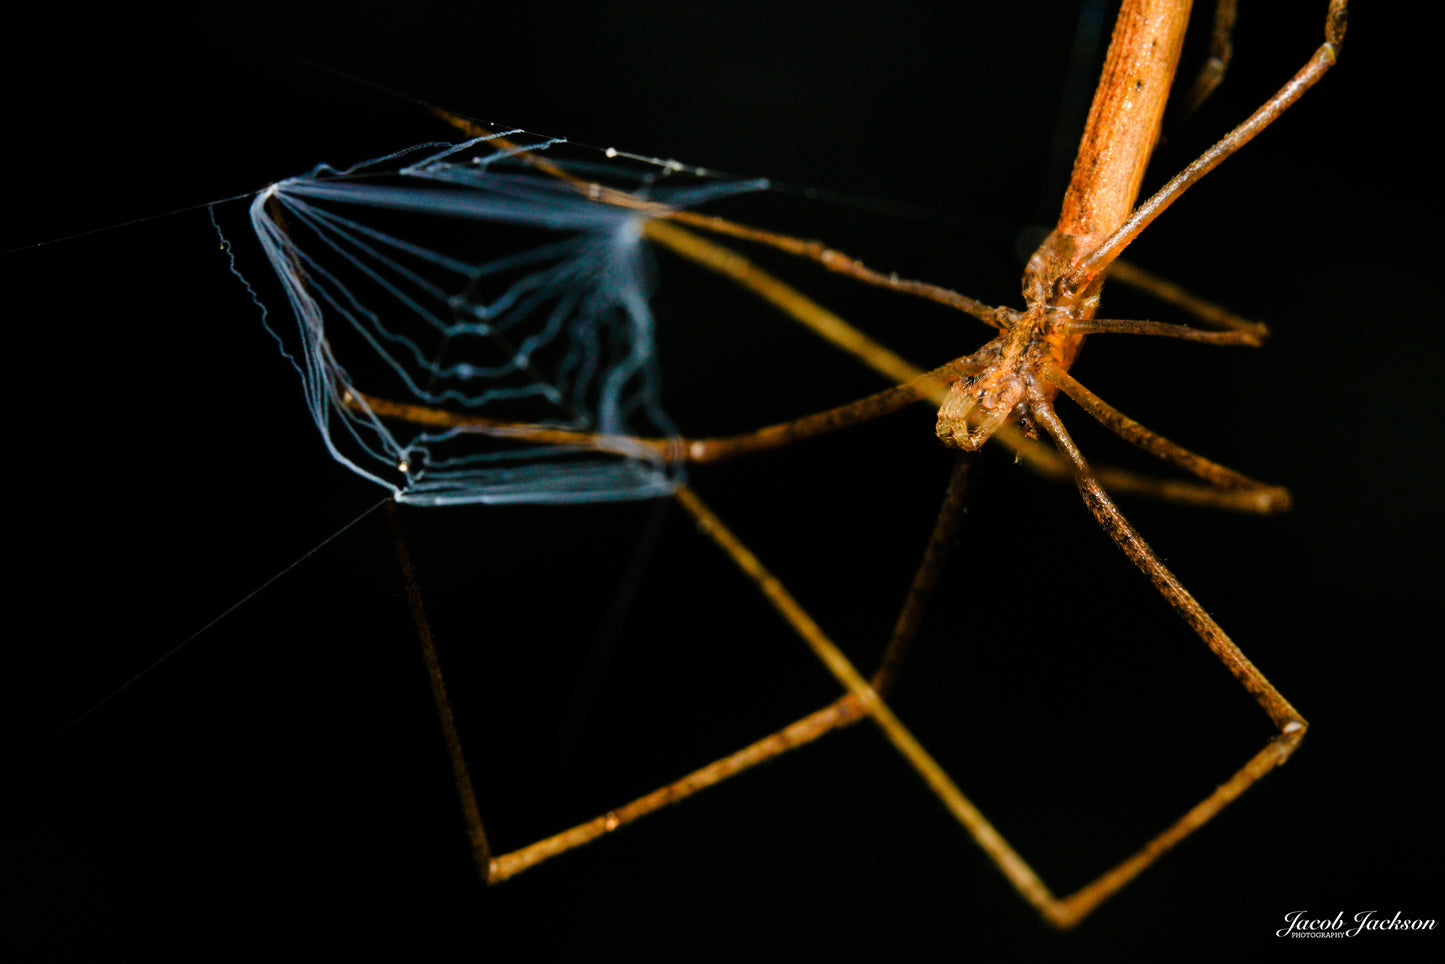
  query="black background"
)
[{"x": 279, "y": 784}]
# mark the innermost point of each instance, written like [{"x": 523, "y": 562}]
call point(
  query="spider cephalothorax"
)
[{"x": 1006, "y": 374}]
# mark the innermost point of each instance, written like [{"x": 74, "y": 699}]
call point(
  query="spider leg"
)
[
  {"x": 839, "y": 263},
  {"x": 830, "y": 258},
  {"x": 1050, "y": 464},
  {"x": 842, "y": 712},
  {"x": 1161, "y": 329},
  {"x": 1287, "y": 720},
  {"x": 925, "y": 579},
  {"x": 1271, "y": 498},
  {"x": 1221, "y": 51},
  {"x": 1324, "y": 57},
  {"x": 924, "y": 387},
  {"x": 471, "y": 814},
  {"x": 1215, "y": 316},
  {"x": 792, "y": 302},
  {"x": 871, "y": 703}
]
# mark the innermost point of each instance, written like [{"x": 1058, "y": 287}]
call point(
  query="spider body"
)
[{"x": 1005, "y": 380}]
